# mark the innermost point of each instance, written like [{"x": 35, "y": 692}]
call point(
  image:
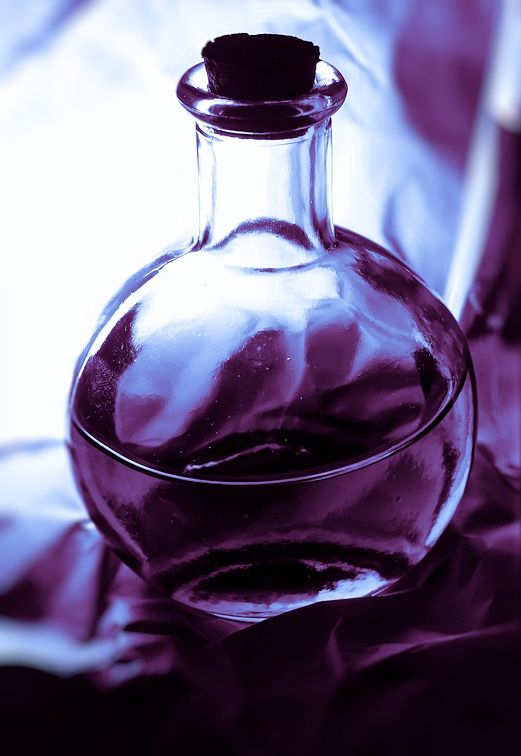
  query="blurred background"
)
[{"x": 97, "y": 158}]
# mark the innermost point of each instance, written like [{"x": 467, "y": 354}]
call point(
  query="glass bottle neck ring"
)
[{"x": 262, "y": 119}]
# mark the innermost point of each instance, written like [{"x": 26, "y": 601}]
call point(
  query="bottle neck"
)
[{"x": 279, "y": 186}]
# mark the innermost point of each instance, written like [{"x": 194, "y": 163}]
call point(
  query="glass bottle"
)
[{"x": 282, "y": 413}]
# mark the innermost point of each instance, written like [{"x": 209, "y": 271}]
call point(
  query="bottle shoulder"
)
[
  {"x": 352, "y": 259},
  {"x": 354, "y": 276}
]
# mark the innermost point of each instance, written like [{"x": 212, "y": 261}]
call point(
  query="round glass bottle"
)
[{"x": 282, "y": 413}]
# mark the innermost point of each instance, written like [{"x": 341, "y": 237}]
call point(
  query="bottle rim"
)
[{"x": 262, "y": 118}]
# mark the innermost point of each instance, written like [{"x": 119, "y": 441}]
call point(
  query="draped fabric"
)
[{"x": 90, "y": 656}]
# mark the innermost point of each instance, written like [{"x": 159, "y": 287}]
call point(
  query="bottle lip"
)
[{"x": 263, "y": 118}]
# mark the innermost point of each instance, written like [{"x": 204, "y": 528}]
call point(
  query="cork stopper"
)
[{"x": 260, "y": 66}]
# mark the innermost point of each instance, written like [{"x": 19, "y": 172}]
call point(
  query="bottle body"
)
[{"x": 254, "y": 439}]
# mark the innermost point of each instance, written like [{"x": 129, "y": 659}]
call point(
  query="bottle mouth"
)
[{"x": 267, "y": 119}]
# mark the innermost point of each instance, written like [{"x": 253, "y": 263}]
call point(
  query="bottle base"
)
[{"x": 253, "y": 583}]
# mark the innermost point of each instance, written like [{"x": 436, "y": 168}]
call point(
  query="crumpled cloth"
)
[{"x": 92, "y": 657}]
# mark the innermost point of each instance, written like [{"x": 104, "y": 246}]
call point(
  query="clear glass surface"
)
[{"x": 282, "y": 413}]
